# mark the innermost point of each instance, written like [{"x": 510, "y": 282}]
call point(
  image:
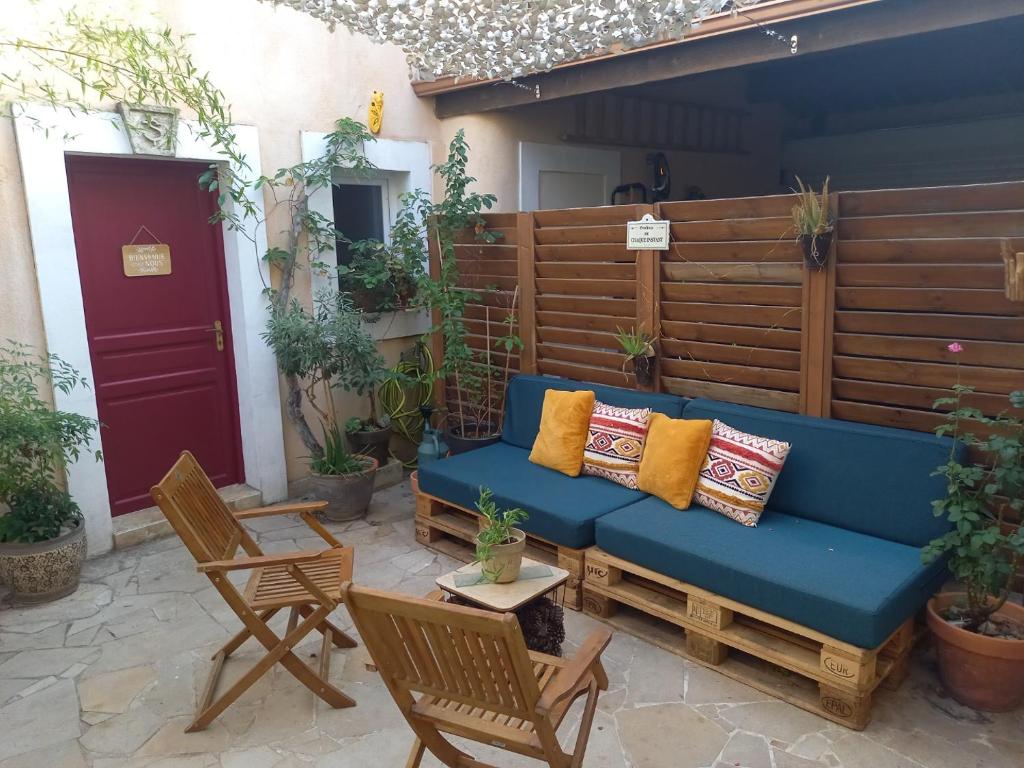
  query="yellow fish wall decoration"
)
[{"x": 376, "y": 116}]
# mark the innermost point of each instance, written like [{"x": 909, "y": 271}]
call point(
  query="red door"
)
[{"x": 163, "y": 382}]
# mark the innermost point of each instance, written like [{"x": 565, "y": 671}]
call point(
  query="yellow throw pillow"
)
[
  {"x": 673, "y": 455},
  {"x": 563, "y": 431}
]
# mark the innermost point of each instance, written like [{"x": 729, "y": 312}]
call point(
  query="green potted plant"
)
[
  {"x": 474, "y": 418},
  {"x": 815, "y": 224},
  {"x": 499, "y": 545},
  {"x": 640, "y": 355},
  {"x": 42, "y": 532},
  {"x": 323, "y": 350},
  {"x": 979, "y": 632}
]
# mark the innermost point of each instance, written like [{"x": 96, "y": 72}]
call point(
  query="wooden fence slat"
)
[
  {"x": 922, "y": 398},
  {"x": 949, "y": 250},
  {"x": 496, "y": 267},
  {"x": 620, "y": 289},
  {"x": 921, "y": 275},
  {"x": 735, "y": 314},
  {"x": 975, "y": 197},
  {"x": 774, "y": 228},
  {"x": 946, "y": 300},
  {"x": 608, "y": 307},
  {"x": 586, "y": 373},
  {"x": 505, "y": 235},
  {"x": 761, "y": 251},
  {"x": 731, "y": 353},
  {"x": 991, "y": 353},
  {"x": 577, "y": 338},
  {"x": 720, "y": 333},
  {"x": 982, "y": 224},
  {"x": 592, "y": 252},
  {"x": 731, "y": 393},
  {"x": 937, "y": 325},
  {"x": 736, "y": 272},
  {"x": 576, "y": 270},
  {"x": 606, "y": 233},
  {"x": 721, "y": 293},
  {"x": 999, "y": 381},
  {"x": 578, "y": 321},
  {"x": 575, "y": 217},
  {"x": 729, "y": 208},
  {"x": 583, "y": 356},
  {"x": 725, "y": 373}
]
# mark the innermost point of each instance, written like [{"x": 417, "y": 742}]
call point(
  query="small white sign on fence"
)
[{"x": 648, "y": 234}]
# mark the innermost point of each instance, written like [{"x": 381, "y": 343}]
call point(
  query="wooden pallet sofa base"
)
[
  {"x": 797, "y": 664},
  {"x": 451, "y": 529}
]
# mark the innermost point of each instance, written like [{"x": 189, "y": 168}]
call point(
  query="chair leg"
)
[
  {"x": 239, "y": 639},
  {"x": 340, "y": 638},
  {"x": 278, "y": 650},
  {"x": 416, "y": 754},
  {"x": 583, "y": 737}
]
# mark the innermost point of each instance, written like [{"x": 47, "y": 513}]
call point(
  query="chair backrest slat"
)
[
  {"x": 196, "y": 511},
  {"x": 459, "y": 654}
]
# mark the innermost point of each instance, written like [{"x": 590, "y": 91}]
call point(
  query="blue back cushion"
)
[
  {"x": 869, "y": 479},
  {"x": 525, "y": 400}
]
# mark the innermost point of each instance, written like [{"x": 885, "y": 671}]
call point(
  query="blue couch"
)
[{"x": 837, "y": 549}]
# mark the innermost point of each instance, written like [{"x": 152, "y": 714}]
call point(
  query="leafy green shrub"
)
[
  {"x": 985, "y": 552},
  {"x": 37, "y": 443}
]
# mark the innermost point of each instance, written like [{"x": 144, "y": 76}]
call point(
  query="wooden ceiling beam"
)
[{"x": 817, "y": 34}]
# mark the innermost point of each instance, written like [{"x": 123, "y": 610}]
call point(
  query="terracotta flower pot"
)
[
  {"x": 985, "y": 673},
  {"x": 347, "y": 496},
  {"x": 45, "y": 570},
  {"x": 506, "y": 559}
]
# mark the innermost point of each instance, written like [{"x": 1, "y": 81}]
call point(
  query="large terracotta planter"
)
[
  {"x": 506, "y": 559},
  {"x": 347, "y": 496},
  {"x": 46, "y": 570},
  {"x": 985, "y": 673}
]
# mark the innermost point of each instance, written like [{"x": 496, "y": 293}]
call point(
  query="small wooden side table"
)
[{"x": 537, "y": 602}]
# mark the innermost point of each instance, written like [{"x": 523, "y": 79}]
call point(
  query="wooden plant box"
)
[
  {"x": 787, "y": 660},
  {"x": 450, "y": 529}
]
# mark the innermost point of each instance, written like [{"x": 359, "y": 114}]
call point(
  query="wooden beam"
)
[
  {"x": 647, "y": 299},
  {"x": 527, "y": 292},
  {"x": 860, "y": 22},
  {"x": 818, "y": 313}
]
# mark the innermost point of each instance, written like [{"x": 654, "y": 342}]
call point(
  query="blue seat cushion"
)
[
  {"x": 562, "y": 509},
  {"x": 525, "y": 399},
  {"x": 865, "y": 478},
  {"x": 848, "y": 585}
]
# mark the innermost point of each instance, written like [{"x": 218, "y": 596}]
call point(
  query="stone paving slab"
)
[{"x": 108, "y": 678}]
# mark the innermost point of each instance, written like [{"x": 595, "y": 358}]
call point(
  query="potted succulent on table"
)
[
  {"x": 42, "y": 532},
  {"x": 317, "y": 352},
  {"x": 640, "y": 355},
  {"x": 499, "y": 545},
  {"x": 815, "y": 224},
  {"x": 979, "y": 633}
]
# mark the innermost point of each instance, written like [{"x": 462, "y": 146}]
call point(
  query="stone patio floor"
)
[{"x": 108, "y": 678}]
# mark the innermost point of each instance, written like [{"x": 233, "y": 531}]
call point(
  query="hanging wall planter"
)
[
  {"x": 816, "y": 249},
  {"x": 643, "y": 368}
]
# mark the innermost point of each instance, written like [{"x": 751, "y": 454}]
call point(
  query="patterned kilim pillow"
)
[
  {"x": 615, "y": 443},
  {"x": 739, "y": 473}
]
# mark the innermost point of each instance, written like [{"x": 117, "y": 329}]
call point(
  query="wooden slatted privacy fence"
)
[{"x": 740, "y": 318}]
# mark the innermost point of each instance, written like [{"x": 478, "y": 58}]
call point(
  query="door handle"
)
[{"x": 218, "y": 328}]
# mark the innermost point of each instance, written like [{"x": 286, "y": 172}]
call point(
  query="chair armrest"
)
[
  {"x": 260, "y": 561},
  {"x": 280, "y": 509},
  {"x": 568, "y": 678}
]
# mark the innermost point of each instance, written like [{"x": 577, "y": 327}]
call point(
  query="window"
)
[{"x": 359, "y": 213}]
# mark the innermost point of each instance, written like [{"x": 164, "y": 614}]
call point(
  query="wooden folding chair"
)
[
  {"x": 308, "y": 583},
  {"x": 467, "y": 673}
]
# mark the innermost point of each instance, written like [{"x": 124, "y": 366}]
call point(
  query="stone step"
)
[{"x": 150, "y": 523}]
